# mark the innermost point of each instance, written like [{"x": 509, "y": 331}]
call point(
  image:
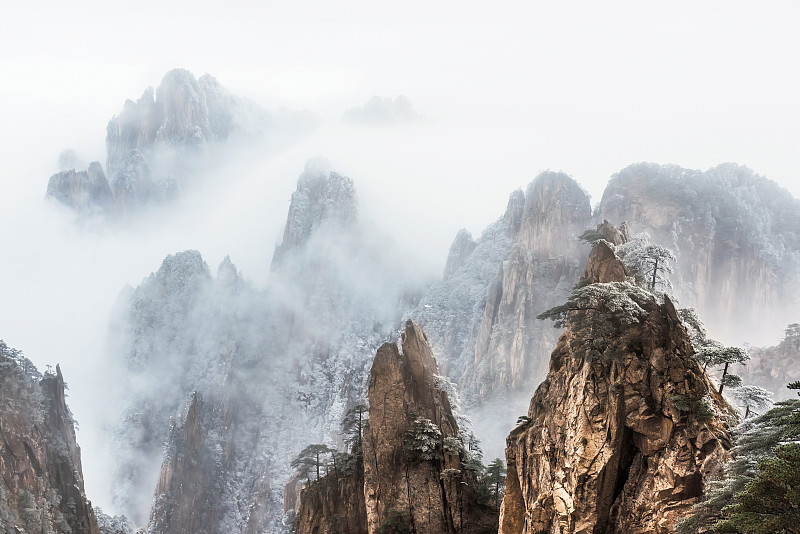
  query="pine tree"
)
[
  {"x": 311, "y": 458},
  {"x": 495, "y": 480},
  {"x": 353, "y": 426}
]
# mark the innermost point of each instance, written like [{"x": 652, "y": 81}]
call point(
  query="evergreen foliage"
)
[
  {"x": 423, "y": 440},
  {"x": 650, "y": 263},
  {"x": 758, "y": 439},
  {"x": 311, "y": 459}
]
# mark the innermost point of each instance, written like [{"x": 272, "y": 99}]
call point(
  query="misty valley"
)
[{"x": 576, "y": 368}]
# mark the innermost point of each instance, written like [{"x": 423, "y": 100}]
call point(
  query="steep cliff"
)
[
  {"x": 417, "y": 475},
  {"x": 481, "y": 317},
  {"x": 733, "y": 231},
  {"x": 625, "y": 427},
  {"x": 83, "y": 190},
  {"x": 333, "y": 504},
  {"x": 41, "y": 480}
]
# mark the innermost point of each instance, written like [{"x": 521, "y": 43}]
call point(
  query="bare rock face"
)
[
  {"x": 411, "y": 477},
  {"x": 81, "y": 190},
  {"x": 41, "y": 480},
  {"x": 623, "y": 430},
  {"x": 334, "y": 504}
]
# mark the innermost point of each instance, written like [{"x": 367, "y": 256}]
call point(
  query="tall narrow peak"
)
[
  {"x": 626, "y": 426},
  {"x": 322, "y": 198},
  {"x": 414, "y": 474},
  {"x": 411, "y": 474}
]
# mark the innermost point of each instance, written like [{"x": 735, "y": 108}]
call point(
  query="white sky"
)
[{"x": 507, "y": 91}]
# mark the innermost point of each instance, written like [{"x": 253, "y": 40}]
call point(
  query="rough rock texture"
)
[
  {"x": 411, "y": 476},
  {"x": 733, "y": 231},
  {"x": 81, "y": 190},
  {"x": 617, "y": 440},
  {"x": 428, "y": 489},
  {"x": 333, "y": 505},
  {"x": 41, "y": 481}
]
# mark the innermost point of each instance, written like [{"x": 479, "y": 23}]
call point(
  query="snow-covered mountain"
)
[
  {"x": 233, "y": 380},
  {"x": 163, "y": 142}
]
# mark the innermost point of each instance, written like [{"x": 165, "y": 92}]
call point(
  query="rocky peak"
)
[
  {"x": 460, "y": 249},
  {"x": 412, "y": 476},
  {"x": 556, "y": 210},
  {"x": 41, "y": 479},
  {"x": 604, "y": 266},
  {"x": 322, "y": 198},
  {"x": 182, "y": 106},
  {"x": 625, "y": 427},
  {"x": 81, "y": 190},
  {"x": 732, "y": 232}
]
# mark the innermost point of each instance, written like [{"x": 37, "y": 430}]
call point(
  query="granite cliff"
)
[
  {"x": 625, "y": 427},
  {"x": 41, "y": 479}
]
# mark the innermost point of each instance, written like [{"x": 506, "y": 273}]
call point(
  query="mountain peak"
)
[{"x": 322, "y": 198}]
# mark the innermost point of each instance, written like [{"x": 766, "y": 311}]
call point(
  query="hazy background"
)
[{"x": 502, "y": 94}]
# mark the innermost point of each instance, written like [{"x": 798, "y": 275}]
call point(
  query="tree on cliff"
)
[
  {"x": 616, "y": 302},
  {"x": 753, "y": 398},
  {"x": 770, "y": 502},
  {"x": 494, "y": 481},
  {"x": 716, "y": 355},
  {"x": 311, "y": 459},
  {"x": 649, "y": 262},
  {"x": 353, "y": 426}
]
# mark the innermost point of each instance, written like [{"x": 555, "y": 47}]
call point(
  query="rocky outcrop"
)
[
  {"x": 415, "y": 476},
  {"x": 41, "y": 480},
  {"x": 82, "y": 190},
  {"x": 271, "y": 368},
  {"x": 333, "y": 504},
  {"x": 773, "y": 368},
  {"x": 413, "y": 470},
  {"x": 625, "y": 427},
  {"x": 183, "y": 113}
]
